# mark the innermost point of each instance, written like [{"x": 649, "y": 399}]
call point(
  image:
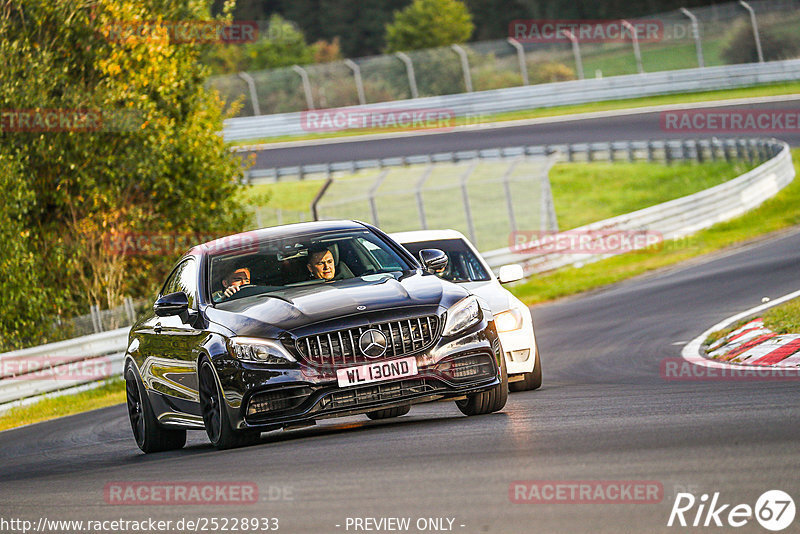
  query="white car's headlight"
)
[
  {"x": 252, "y": 349},
  {"x": 508, "y": 320},
  {"x": 461, "y": 315}
]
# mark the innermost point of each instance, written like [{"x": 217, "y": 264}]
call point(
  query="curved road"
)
[
  {"x": 629, "y": 127},
  {"x": 604, "y": 413}
]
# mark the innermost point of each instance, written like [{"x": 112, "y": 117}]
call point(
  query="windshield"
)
[
  {"x": 272, "y": 266},
  {"x": 462, "y": 266}
]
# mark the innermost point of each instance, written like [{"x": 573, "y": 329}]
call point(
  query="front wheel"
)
[
  {"x": 488, "y": 401},
  {"x": 149, "y": 435},
  {"x": 215, "y": 416},
  {"x": 532, "y": 380}
]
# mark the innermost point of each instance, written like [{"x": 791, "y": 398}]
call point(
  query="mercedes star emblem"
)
[{"x": 373, "y": 343}]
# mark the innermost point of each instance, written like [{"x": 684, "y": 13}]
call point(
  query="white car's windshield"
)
[{"x": 462, "y": 266}]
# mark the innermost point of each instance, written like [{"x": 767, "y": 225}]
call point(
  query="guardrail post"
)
[
  {"x": 636, "y": 52},
  {"x": 754, "y": 23},
  {"x": 651, "y": 152},
  {"x": 611, "y": 152},
  {"x": 251, "y": 84},
  {"x": 631, "y": 152},
  {"x": 726, "y": 150},
  {"x": 570, "y": 153},
  {"x": 576, "y": 52},
  {"x": 462, "y": 54},
  {"x": 306, "y": 85},
  {"x": 751, "y": 153},
  {"x": 698, "y": 147},
  {"x": 589, "y": 152},
  {"x": 696, "y": 34},
  {"x": 412, "y": 79},
  {"x": 667, "y": 153},
  {"x": 523, "y": 67},
  {"x": 359, "y": 82},
  {"x": 713, "y": 145}
]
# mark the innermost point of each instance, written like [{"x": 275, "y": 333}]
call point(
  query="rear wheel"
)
[
  {"x": 532, "y": 380},
  {"x": 389, "y": 412},
  {"x": 490, "y": 400},
  {"x": 149, "y": 435},
  {"x": 215, "y": 416}
]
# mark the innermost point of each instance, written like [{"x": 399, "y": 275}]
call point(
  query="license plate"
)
[{"x": 377, "y": 372}]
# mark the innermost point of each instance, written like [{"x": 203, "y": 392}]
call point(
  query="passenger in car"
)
[{"x": 232, "y": 283}]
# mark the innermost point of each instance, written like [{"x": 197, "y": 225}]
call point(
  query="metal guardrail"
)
[
  {"x": 62, "y": 365},
  {"x": 28, "y": 373},
  {"x": 478, "y": 104},
  {"x": 676, "y": 218}
]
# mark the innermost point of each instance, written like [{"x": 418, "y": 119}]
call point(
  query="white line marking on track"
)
[{"x": 691, "y": 352}]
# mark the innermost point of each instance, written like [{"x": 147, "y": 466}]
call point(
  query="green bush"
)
[{"x": 741, "y": 45}]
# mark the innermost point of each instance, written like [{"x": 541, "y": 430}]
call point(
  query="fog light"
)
[
  {"x": 467, "y": 366},
  {"x": 521, "y": 355}
]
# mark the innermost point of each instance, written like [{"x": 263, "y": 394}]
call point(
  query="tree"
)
[
  {"x": 429, "y": 24},
  {"x": 147, "y": 160}
]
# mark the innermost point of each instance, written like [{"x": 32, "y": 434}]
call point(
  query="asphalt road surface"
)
[
  {"x": 604, "y": 413},
  {"x": 642, "y": 126}
]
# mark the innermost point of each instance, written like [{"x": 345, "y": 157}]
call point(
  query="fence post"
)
[
  {"x": 372, "y": 190},
  {"x": 418, "y": 194},
  {"x": 359, "y": 82},
  {"x": 696, "y": 34},
  {"x": 251, "y": 84},
  {"x": 507, "y": 190},
  {"x": 576, "y": 51},
  {"x": 306, "y": 85},
  {"x": 320, "y": 194},
  {"x": 523, "y": 67},
  {"x": 464, "y": 66},
  {"x": 548, "y": 219},
  {"x": 412, "y": 79},
  {"x": 754, "y": 23},
  {"x": 636, "y": 52},
  {"x": 128, "y": 305},
  {"x": 465, "y": 199}
]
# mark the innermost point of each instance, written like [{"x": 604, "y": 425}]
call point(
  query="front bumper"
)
[{"x": 269, "y": 398}]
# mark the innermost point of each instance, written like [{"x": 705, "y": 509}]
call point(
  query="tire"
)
[
  {"x": 533, "y": 380},
  {"x": 150, "y": 436},
  {"x": 389, "y": 412},
  {"x": 491, "y": 400},
  {"x": 215, "y": 418}
]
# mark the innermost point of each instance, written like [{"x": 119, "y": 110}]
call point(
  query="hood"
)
[
  {"x": 268, "y": 315},
  {"x": 496, "y": 295}
]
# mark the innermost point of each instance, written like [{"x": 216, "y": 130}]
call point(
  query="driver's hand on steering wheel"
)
[{"x": 230, "y": 291}]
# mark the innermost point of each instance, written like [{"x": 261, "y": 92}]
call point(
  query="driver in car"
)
[
  {"x": 320, "y": 263},
  {"x": 239, "y": 277}
]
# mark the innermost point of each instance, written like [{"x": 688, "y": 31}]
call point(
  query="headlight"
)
[
  {"x": 461, "y": 315},
  {"x": 251, "y": 349},
  {"x": 508, "y": 320}
]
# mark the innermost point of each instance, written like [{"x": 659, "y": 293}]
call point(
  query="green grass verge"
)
[
  {"x": 703, "y": 96},
  {"x": 784, "y": 319},
  {"x": 106, "y": 395},
  {"x": 777, "y": 213}
]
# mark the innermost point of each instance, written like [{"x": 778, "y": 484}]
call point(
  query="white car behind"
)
[{"x": 513, "y": 319}]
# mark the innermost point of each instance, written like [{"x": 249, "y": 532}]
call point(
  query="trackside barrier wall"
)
[
  {"x": 482, "y": 103},
  {"x": 680, "y": 217}
]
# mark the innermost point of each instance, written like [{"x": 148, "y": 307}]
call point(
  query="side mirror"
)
[
  {"x": 510, "y": 273},
  {"x": 172, "y": 304},
  {"x": 433, "y": 260}
]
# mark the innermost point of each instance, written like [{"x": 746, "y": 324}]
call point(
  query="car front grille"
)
[
  {"x": 376, "y": 393},
  {"x": 340, "y": 348}
]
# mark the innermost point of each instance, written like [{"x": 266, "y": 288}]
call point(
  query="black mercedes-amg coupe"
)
[{"x": 282, "y": 326}]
